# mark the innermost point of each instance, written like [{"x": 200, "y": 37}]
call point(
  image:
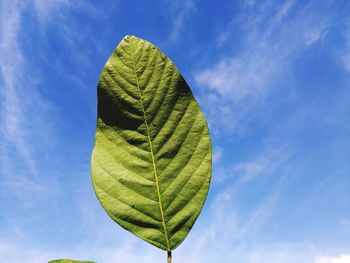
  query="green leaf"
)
[
  {"x": 69, "y": 261},
  {"x": 151, "y": 163}
]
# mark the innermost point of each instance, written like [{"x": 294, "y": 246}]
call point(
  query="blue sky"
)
[{"x": 273, "y": 80}]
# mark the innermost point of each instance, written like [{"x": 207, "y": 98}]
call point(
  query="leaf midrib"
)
[{"x": 151, "y": 149}]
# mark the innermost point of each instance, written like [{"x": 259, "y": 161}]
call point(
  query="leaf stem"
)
[{"x": 169, "y": 256}]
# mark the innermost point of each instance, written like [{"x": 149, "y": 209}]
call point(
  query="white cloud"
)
[
  {"x": 283, "y": 10},
  {"x": 239, "y": 84},
  {"x": 45, "y": 8},
  {"x": 180, "y": 12},
  {"x": 344, "y": 54},
  {"x": 25, "y": 113},
  {"x": 217, "y": 154},
  {"x": 264, "y": 164},
  {"x": 236, "y": 78},
  {"x": 346, "y": 61},
  {"x": 29, "y": 191},
  {"x": 312, "y": 37},
  {"x": 11, "y": 62},
  {"x": 267, "y": 167},
  {"x": 280, "y": 14},
  {"x": 28, "y": 119},
  {"x": 222, "y": 233},
  {"x": 340, "y": 259},
  {"x": 249, "y": 2}
]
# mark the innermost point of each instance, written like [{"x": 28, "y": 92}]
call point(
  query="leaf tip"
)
[
  {"x": 128, "y": 37},
  {"x": 133, "y": 38}
]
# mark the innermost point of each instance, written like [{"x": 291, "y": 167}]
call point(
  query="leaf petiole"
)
[{"x": 169, "y": 256}]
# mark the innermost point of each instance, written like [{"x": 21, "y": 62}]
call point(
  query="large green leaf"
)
[
  {"x": 151, "y": 163},
  {"x": 69, "y": 261}
]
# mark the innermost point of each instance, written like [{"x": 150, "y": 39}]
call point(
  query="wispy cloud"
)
[
  {"x": 44, "y": 8},
  {"x": 11, "y": 64},
  {"x": 345, "y": 54},
  {"x": 27, "y": 118},
  {"x": 312, "y": 37},
  {"x": 346, "y": 61},
  {"x": 217, "y": 154},
  {"x": 242, "y": 82},
  {"x": 264, "y": 164},
  {"x": 180, "y": 12},
  {"x": 30, "y": 146},
  {"x": 267, "y": 168}
]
